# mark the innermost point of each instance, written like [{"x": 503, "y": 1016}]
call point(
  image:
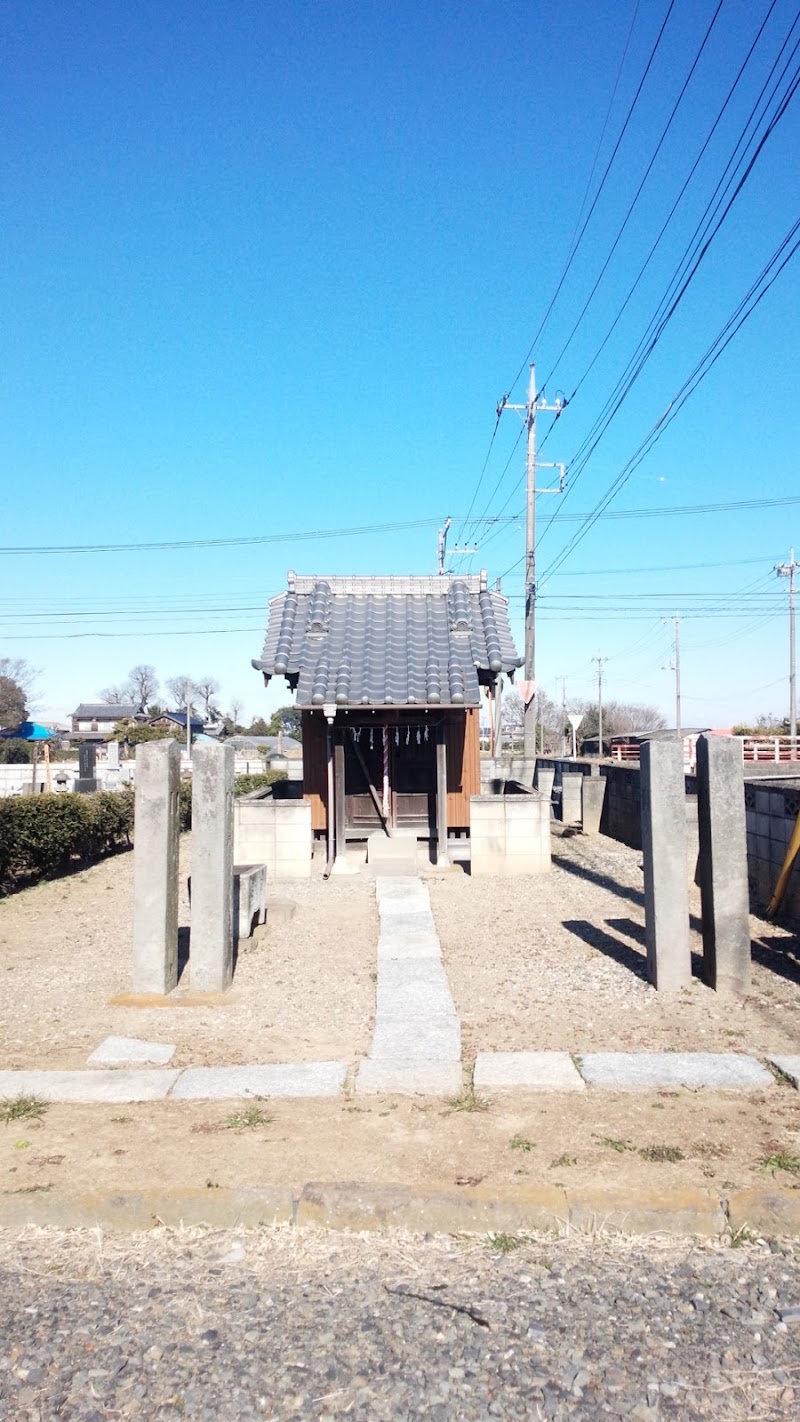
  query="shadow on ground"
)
[
  {"x": 780, "y": 954},
  {"x": 631, "y": 958}
]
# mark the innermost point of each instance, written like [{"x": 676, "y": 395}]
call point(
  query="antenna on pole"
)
[{"x": 443, "y": 544}]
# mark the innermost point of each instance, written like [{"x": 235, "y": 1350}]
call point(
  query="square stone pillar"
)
[
  {"x": 593, "y": 794},
  {"x": 723, "y": 864},
  {"x": 571, "y": 797},
  {"x": 211, "y": 952},
  {"x": 666, "y": 892},
  {"x": 155, "y": 867}
]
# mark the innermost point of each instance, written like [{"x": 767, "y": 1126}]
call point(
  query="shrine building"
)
[{"x": 388, "y": 673}]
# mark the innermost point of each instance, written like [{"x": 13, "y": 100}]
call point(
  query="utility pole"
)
[
  {"x": 787, "y": 570},
  {"x": 530, "y": 411},
  {"x": 563, "y": 681},
  {"x": 678, "y": 674},
  {"x": 600, "y": 661}
]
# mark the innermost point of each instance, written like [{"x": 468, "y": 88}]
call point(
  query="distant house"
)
[
  {"x": 389, "y": 673},
  {"x": 95, "y": 720},
  {"x": 177, "y": 720}
]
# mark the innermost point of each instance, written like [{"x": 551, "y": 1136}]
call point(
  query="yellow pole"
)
[{"x": 783, "y": 878}]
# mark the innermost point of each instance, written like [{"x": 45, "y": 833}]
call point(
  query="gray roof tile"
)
[{"x": 388, "y": 641}]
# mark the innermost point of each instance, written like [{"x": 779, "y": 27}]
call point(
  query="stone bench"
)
[{"x": 249, "y": 899}]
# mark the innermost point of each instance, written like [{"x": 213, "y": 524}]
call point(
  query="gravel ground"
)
[
  {"x": 558, "y": 963},
  {"x": 552, "y": 962},
  {"x": 305, "y": 993},
  {"x": 284, "y": 1324}
]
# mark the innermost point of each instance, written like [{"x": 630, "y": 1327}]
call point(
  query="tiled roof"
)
[
  {"x": 104, "y": 711},
  {"x": 388, "y": 641}
]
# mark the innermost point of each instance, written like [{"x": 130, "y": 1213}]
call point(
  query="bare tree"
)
[
  {"x": 184, "y": 690},
  {"x": 20, "y": 671},
  {"x": 143, "y": 683},
  {"x": 207, "y": 686},
  {"x": 235, "y": 714},
  {"x": 115, "y": 695}
]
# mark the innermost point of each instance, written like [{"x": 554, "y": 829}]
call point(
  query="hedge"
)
[{"x": 42, "y": 834}]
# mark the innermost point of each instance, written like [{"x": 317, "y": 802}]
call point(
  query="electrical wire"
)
[
  {"x": 703, "y": 368},
  {"x": 637, "y": 194},
  {"x": 597, "y": 195}
]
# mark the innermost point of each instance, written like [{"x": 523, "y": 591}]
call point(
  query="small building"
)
[
  {"x": 95, "y": 720},
  {"x": 389, "y": 673},
  {"x": 177, "y": 721}
]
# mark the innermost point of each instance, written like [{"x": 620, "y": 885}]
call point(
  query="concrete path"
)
[{"x": 416, "y": 1046}]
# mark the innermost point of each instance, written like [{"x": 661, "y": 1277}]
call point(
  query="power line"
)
[
  {"x": 597, "y": 196},
  {"x": 637, "y": 194},
  {"x": 687, "y": 267},
  {"x": 701, "y": 370}
]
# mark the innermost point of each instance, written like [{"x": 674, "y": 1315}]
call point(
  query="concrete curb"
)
[{"x": 354, "y": 1206}]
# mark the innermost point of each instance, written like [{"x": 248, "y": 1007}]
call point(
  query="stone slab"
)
[
  {"x": 404, "y": 920},
  {"x": 143, "y": 1209},
  {"x": 395, "y": 947},
  {"x": 528, "y": 1071},
  {"x": 681, "y": 1211},
  {"x": 415, "y": 1000},
  {"x": 790, "y": 1066},
  {"x": 647, "y": 1071},
  {"x": 116, "y": 1051},
  {"x": 358, "y": 1206},
  {"x": 417, "y": 1077},
  {"x": 398, "y": 885},
  {"x": 283, "y": 1079},
  {"x": 90, "y": 1086},
  {"x": 437, "y": 1038}
]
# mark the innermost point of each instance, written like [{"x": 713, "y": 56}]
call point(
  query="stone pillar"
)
[
  {"x": 211, "y": 953},
  {"x": 723, "y": 864},
  {"x": 155, "y": 867},
  {"x": 545, "y": 779},
  {"x": 666, "y": 892},
  {"x": 571, "y": 797},
  {"x": 593, "y": 794}
]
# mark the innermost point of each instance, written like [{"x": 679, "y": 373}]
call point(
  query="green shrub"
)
[
  {"x": 42, "y": 834},
  {"x": 15, "y": 752},
  {"x": 185, "y": 804},
  {"x": 245, "y": 784}
]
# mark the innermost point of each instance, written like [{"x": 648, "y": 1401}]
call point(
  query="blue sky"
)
[{"x": 267, "y": 269}]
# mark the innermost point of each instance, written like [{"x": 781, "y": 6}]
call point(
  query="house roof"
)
[
  {"x": 105, "y": 711},
  {"x": 394, "y": 641},
  {"x": 179, "y": 718}
]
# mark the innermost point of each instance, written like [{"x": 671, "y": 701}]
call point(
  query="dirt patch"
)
[
  {"x": 543, "y": 963},
  {"x": 665, "y": 1140},
  {"x": 305, "y": 992},
  {"x": 557, "y": 962}
]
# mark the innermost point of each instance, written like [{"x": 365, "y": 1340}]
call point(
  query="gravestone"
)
[
  {"x": 211, "y": 952},
  {"x": 155, "y": 867},
  {"x": 87, "y": 761},
  {"x": 723, "y": 863},
  {"x": 666, "y": 892}
]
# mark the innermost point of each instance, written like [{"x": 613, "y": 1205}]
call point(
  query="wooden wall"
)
[
  {"x": 315, "y": 767},
  {"x": 463, "y": 764}
]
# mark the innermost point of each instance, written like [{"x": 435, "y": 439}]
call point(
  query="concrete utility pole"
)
[
  {"x": 787, "y": 570},
  {"x": 600, "y": 661},
  {"x": 563, "y": 681},
  {"x": 678, "y": 673},
  {"x": 530, "y": 411}
]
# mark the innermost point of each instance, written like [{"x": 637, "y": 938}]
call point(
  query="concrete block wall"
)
[
  {"x": 770, "y": 813},
  {"x": 276, "y": 833},
  {"x": 509, "y": 835}
]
